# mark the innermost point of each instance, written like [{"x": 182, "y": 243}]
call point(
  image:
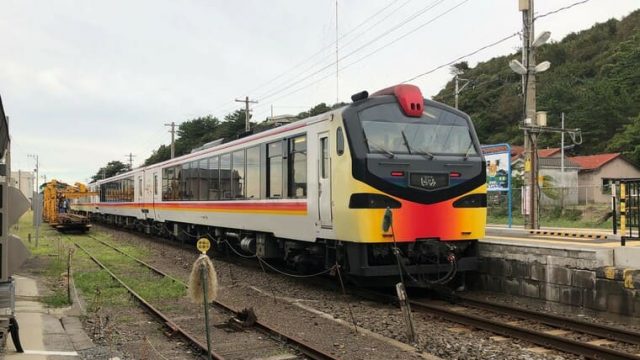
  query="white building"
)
[{"x": 23, "y": 180}]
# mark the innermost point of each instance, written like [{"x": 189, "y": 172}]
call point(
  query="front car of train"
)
[{"x": 420, "y": 159}]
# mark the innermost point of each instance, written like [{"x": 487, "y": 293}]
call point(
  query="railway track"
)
[
  {"x": 306, "y": 350},
  {"x": 558, "y": 340}
]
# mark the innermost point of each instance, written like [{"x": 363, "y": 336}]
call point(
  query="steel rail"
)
[
  {"x": 566, "y": 345},
  {"x": 587, "y": 350},
  {"x": 603, "y": 331},
  {"x": 303, "y": 347},
  {"x": 170, "y": 324}
]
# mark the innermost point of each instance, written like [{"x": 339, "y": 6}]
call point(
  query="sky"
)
[{"x": 88, "y": 82}]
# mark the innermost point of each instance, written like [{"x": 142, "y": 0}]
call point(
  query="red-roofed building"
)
[{"x": 595, "y": 172}]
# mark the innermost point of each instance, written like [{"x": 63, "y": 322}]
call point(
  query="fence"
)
[{"x": 559, "y": 206}]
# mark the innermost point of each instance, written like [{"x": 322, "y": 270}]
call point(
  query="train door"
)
[
  {"x": 324, "y": 182},
  {"x": 157, "y": 191},
  {"x": 140, "y": 192}
]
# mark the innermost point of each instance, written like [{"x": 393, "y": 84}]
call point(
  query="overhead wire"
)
[
  {"x": 360, "y": 59},
  {"x": 400, "y": 24},
  {"x": 462, "y": 57},
  {"x": 561, "y": 9},
  {"x": 329, "y": 46},
  {"x": 227, "y": 105}
]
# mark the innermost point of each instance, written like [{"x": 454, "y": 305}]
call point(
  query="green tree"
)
[
  {"x": 112, "y": 168},
  {"x": 627, "y": 141}
]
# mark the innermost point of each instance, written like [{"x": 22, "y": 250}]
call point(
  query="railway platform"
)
[
  {"x": 584, "y": 268},
  {"x": 44, "y": 334}
]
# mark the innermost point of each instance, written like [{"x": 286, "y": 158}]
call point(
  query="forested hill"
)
[{"x": 594, "y": 79}]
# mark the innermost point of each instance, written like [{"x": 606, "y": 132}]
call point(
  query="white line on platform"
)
[{"x": 51, "y": 353}]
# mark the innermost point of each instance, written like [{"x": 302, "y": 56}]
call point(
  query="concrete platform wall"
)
[{"x": 578, "y": 277}]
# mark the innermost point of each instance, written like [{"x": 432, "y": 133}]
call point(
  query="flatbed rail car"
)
[
  {"x": 313, "y": 193},
  {"x": 56, "y": 210}
]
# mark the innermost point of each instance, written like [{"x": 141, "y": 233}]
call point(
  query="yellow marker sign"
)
[{"x": 203, "y": 245}]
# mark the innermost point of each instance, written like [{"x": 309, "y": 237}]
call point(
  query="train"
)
[{"x": 312, "y": 194}]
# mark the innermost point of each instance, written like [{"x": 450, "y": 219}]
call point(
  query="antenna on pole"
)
[
  {"x": 246, "y": 101},
  {"x": 130, "y": 156},
  {"x": 337, "y": 59},
  {"x": 173, "y": 138}
]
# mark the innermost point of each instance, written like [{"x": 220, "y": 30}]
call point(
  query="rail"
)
[
  {"x": 300, "y": 345},
  {"x": 588, "y": 351}
]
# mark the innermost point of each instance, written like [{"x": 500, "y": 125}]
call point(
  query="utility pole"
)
[
  {"x": 173, "y": 138},
  {"x": 36, "y": 169},
  {"x": 246, "y": 101},
  {"x": 458, "y": 88},
  {"x": 562, "y": 152},
  {"x": 530, "y": 136},
  {"x": 130, "y": 156}
]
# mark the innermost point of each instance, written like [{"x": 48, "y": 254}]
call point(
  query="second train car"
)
[{"x": 313, "y": 193}]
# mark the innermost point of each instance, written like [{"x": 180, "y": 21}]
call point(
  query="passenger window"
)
[
  {"x": 225, "y": 176},
  {"x": 139, "y": 186},
  {"x": 252, "y": 177},
  {"x": 202, "y": 183},
  {"x": 298, "y": 167},
  {"x": 237, "y": 175},
  {"x": 339, "y": 141},
  {"x": 274, "y": 170},
  {"x": 214, "y": 184}
]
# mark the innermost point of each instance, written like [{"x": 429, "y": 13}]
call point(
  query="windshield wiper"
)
[
  {"x": 380, "y": 148},
  {"x": 466, "y": 154},
  {"x": 423, "y": 151},
  {"x": 420, "y": 151},
  {"x": 406, "y": 142}
]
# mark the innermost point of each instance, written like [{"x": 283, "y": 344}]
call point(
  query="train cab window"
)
[
  {"x": 225, "y": 177},
  {"x": 140, "y": 186},
  {"x": 237, "y": 175},
  {"x": 297, "y": 167},
  {"x": 252, "y": 177},
  {"x": 202, "y": 183},
  {"x": 339, "y": 141},
  {"x": 214, "y": 179},
  {"x": 274, "y": 170}
]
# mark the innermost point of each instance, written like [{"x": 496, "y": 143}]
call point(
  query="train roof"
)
[{"x": 180, "y": 159}]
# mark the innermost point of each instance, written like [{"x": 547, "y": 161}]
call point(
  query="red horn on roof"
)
[{"x": 409, "y": 98}]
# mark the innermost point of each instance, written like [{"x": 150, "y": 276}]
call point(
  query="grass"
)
[{"x": 98, "y": 287}]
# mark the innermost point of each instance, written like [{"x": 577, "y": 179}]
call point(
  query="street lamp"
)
[{"x": 528, "y": 69}]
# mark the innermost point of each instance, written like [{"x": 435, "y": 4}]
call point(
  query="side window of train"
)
[
  {"x": 225, "y": 177},
  {"x": 297, "y": 178},
  {"x": 140, "y": 186},
  {"x": 339, "y": 141},
  {"x": 237, "y": 175},
  {"x": 274, "y": 169},
  {"x": 252, "y": 177}
]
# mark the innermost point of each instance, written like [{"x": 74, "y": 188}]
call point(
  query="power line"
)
[
  {"x": 462, "y": 57},
  {"x": 561, "y": 9},
  {"x": 316, "y": 63},
  {"x": 406, "y": 34},
  {"x": 323, "y": 49},
  {"x": 362, "y": 58}
]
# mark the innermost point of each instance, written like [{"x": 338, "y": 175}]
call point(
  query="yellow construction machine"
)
[{"x": 56, "y": 210}]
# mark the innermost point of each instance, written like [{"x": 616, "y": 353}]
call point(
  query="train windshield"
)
[{"x": 437, "y": 132}]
